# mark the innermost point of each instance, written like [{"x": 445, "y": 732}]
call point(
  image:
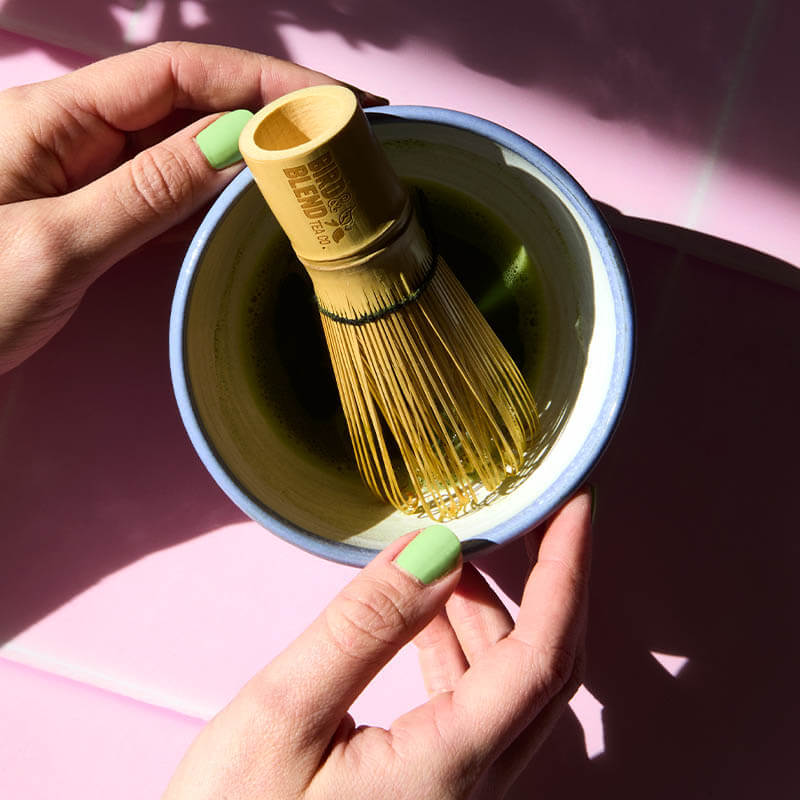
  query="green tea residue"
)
[{"x": 493, "y": 265}]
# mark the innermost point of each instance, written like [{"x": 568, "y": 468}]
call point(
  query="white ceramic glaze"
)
[{"x": 578, "y": 372}]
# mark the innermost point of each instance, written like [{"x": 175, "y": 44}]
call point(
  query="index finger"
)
[
  {"x": 554, "y": 599},
  {"x": 502, "y": 693},
  {"x": 134, "y": 90}
]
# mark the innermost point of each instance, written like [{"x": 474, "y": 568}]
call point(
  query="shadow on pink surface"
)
[
  {"x": 696, "y": 548},
  {"x": 69, "y": 740},
  {"x": 696, "y": 541},
  {"x": 718, "y": 75},
  {"x": 97, "y": 470}
]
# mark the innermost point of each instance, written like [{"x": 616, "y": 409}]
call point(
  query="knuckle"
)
[
  {"x": 168, "y": 48},
  {"x": 161, "y": 181},
  {"x": 363, "y": 621},
  {"x": 575, "y": 576},
  {"x": 556, "y": 667},
  {"x": 15, "y": 97},
  {"x": 264, "y": 708},
  {"x": 174, "y": 56},
  {"x": 455, "y": 770},
  {"x": 44, "y": 253}
]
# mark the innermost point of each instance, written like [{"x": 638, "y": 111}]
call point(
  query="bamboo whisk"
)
[{"x": 422, "y": 377}]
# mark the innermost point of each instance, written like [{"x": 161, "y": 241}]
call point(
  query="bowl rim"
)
[{"x": 566, "y": 483}]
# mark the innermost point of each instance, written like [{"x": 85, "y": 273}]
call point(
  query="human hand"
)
[
  {"x": 495, "y": 688},
  {"x": 87, "y": 175}
]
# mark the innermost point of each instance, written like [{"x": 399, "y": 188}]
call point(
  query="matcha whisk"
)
[{"x": 420, "y": 373}]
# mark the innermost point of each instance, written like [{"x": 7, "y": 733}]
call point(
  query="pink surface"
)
[
  {"x": 649, "y": 107},
  {"x": 68, "y": 740},
  {"x": 131, "y": 589}
]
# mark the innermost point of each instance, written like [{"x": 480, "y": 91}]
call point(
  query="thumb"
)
[
  {"x": 157, "y": 189},
  {"x": 313, "y": 683}
]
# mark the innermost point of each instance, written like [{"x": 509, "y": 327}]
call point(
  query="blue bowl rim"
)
[{"x": 565, "y": 484}]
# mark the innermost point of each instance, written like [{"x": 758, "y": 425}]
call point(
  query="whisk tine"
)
[
  {"x": 435, "y": 406},
  {"x": 448, "y": 393}
]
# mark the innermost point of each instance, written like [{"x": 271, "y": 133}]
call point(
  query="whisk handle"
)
[{"x": 323, "y": 174}]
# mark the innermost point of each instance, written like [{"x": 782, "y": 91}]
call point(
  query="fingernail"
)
[
  {"x": 430, "y": 554},
  {"x": 219, "y": 142},
  {"x": 367, "y": 98},
  {"x": 593, "y": 494}
]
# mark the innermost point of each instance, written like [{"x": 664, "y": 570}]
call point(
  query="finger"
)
[
  {"x": 511, "y": 763},
  {"x": 554, "y": 601},
  {"x": 157, "y": 189},
  {"x": 73, "y": 128},
  {"x": 476, "y": 614},
  {"x": 310, "y": 686},
  {"x": 501, "y": 694},
  {"x": 518, "y": 755},
  {"x": 173, "y": 123},
  {"x": 134, "y": 90},
  {"x": 441, "y": 658}
]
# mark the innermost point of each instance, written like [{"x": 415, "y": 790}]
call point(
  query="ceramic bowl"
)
[{"x": 250, "y": 371}]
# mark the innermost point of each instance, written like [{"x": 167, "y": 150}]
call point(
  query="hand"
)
[
  {"x": 495, "y": 688},
  {"x": 86, "y": 175}
]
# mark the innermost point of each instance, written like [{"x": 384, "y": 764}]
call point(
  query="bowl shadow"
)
[
  {"x": 695, "y": 539},
  {"x": 696, "y": 529}
]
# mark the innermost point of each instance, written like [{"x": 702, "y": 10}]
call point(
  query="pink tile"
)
[
  {"x": 67, "y": 740},
  {"x": 185, "y": 627},
  {"x": 619, "y": 159},
  {"x": 122, "y": 564},
  {"x": 747, "y": 206},
  {"x": 25, "y": 60},
  {"x": 124, "y": 567},
  {"x": 645, "y": 108}
]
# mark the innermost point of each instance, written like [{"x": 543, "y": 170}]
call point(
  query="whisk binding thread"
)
[{"x": 374, "y": 316}]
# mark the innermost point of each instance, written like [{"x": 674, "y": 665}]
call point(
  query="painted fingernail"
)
[
  {"x": 367, "y": 98},
  {"x": 219, "y": 142},
  {"x": 430, "y": 554}
]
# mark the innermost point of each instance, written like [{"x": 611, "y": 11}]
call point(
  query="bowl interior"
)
[{"x": 257, "y": 371}]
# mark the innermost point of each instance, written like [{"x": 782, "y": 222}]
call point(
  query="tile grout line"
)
[
  {"x": 755, "y": 28},
  {"x": 78, "y": 45},
  {"x": 94, "y": 679}
]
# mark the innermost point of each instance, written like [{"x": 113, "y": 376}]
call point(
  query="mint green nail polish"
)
[
  {"x": 219, "y": 142},
  {"x": 430, "y": 554}
]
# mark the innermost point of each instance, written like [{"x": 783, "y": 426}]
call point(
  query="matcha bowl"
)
[{"x": 251, "y": 372}]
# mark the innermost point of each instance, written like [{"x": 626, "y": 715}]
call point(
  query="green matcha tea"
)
[{"x": 284, "y": 349}]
